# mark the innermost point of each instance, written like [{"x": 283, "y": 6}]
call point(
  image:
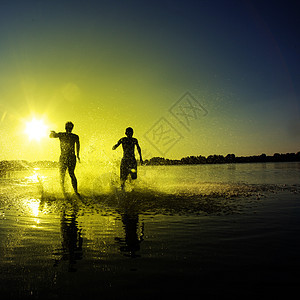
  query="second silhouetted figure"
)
[{"x": 128, "y": 163}]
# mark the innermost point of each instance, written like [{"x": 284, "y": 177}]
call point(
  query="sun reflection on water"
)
[
  {"x": 36, "y": 177},
  {"x": 33, "y": 206}
]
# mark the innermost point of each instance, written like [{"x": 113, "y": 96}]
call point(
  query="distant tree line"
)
[
  {"x": 19, "y": 165},
  {"x": 220, "y": 159}
]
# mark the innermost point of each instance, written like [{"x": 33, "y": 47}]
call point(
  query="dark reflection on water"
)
[
  {"x": 72, "y": 240},
  {"x": 119, "y": 244},
  {"x": 133, "y": 228}
]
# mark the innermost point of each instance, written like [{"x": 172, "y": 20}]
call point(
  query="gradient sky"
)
[{"x": 106, "y": 65}]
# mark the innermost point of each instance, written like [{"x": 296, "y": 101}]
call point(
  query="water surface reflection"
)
[
  {"x": 71, "y": 236},
  {"x": 112, "y": 244},
  {"x": 133, "y": 229}
]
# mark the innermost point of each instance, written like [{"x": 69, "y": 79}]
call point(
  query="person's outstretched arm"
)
[
  {"x": 139, "y": 151},
  {"x": 53, "y": 134},
  {"x": 117, "y": 144}
]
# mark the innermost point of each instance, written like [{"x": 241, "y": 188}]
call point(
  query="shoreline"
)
[{"x": 22, "y": 165}]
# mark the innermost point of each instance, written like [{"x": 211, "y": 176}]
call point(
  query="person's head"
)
[
  {"x": 69, "y": 126},
  {"x": 129, "y": 132}
]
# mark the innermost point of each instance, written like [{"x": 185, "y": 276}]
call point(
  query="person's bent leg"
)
[
  {"x": 71, "y": 169},
  {"x": 133, "y": 173},
  {"x": 123, "y": 173},
  {"x": 62, "y": 171},
  {"x": 133, "y": 170},
  {"x": 73, "y": 179},
  {"x": 74, "y": 182}
]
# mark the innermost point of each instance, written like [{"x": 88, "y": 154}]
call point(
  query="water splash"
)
[{"x": 155, "y": 192}]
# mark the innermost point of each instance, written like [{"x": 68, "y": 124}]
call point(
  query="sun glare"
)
[{"x": 36, "y": 129}]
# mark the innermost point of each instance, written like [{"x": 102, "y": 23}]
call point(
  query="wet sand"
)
[{"x": 149, "y": 244}]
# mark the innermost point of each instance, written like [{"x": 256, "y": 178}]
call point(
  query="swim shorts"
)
[
  {"x": 67, "y": 162},
  {"x": 128, "y": 166}
]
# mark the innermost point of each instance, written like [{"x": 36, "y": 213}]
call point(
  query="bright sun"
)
[{"x": 36, "y": 129}]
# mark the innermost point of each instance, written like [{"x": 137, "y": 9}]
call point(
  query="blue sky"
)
[{"x": 107, "y": 65}]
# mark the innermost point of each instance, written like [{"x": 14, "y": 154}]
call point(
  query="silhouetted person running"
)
[
  {"x": 67, "y": 158},
  {"x": 128, "y": 163}
]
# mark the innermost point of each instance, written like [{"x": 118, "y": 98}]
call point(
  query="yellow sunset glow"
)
[{"x": 36, "y": 129}]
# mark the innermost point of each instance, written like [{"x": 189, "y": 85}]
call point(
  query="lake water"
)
[{"x": 206, "y": 230}]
